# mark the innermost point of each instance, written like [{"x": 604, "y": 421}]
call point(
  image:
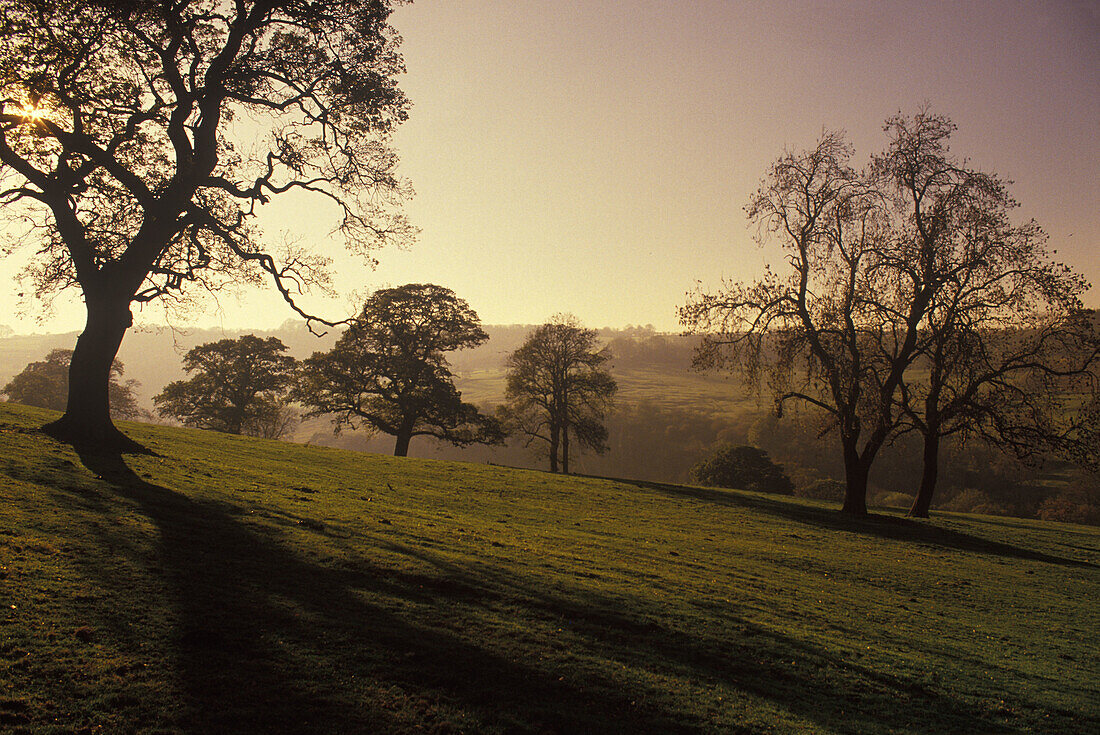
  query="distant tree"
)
[
  {"x": 1079, "y": 502},
  {"x": 46, "y": 384},
  {"x": 742, "y": 467},
  {"x": 120, "y": 144},
  {"x": 275, "y": 420},
  {"x": 238, "y": 386},
  {"x": 389, "y": 372},
  {"x": 558, "y": 388}
]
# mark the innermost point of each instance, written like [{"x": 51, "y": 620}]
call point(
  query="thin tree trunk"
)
[
  {"x": 855, "y": 493},
  {"x": 87, "y": 419},
  {"x": 565, "y": 449},
  {"x": 923, "y": 502},
  {"x": 554, "y": 434}
]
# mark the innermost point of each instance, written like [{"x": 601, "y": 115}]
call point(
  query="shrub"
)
[
  {"x": 823, "y": 489},
  {"x": 744, "y": 467},
  {"x": 971, "y": 500},
  {"x": 1074, "y": 504}
]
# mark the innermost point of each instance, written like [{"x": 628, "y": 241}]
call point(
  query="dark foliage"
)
[
  {"x": 742, "y": 467},
  {"x": 46, "y": 384},
  {"x": 238, "y": 386},
  {"x": 389, "y": 372},
  {"x": 559, "y": 389}
]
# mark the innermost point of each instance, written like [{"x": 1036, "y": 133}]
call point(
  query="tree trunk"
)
[
  {"x": 565, "y": 450},
  {"x": 401, "y": 448},
  {"x": 855, "y": 492},
  {"x": 554, "y": 435},
  {"x": 87, "y": 420},
  {"x": 923, "y": 502}
]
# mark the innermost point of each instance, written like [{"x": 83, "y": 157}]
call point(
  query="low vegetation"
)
[{"x": 227, "y": 583}]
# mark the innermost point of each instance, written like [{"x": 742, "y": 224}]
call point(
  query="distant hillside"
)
[
  {"x": 667, "y": 418},
  {"x": 154, "y": 356},
  {"x": 228, "y": 584}
]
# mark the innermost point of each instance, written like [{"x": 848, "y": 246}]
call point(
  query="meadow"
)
[{"x": 229, "y": 584}]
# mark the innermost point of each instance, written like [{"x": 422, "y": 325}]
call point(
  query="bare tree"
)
[
  {"x": 117, "y": 145},
  {"x": 558, "y": 388},
  {"x": 1005, "y": 348},
  {"x": 905, "y": 284},
  {"x": 822, "y": 334}
]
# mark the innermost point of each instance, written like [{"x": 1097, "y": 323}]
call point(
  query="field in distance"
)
[{"x": 228, "y": 584}]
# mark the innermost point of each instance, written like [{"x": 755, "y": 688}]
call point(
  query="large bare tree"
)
[
  {"x": 819, "y": 332},
  {"x": 139, "y": 138},
  {"x": 1007, "y": 353},
  {"x": 908, "y": 302}
]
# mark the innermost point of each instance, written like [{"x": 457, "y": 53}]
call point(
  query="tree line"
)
[
  {"x": 908, "y": 304},
  {"x": 387, "y": 373}
]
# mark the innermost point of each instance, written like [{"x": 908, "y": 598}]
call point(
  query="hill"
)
[
  {"x": 667, "y": 418},
  {"x": 227, "y": 584}
]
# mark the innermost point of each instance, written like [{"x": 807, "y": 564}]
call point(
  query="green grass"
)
[
  {"x": 227, "y": 584},
  {"x": 686, "y": 390}
]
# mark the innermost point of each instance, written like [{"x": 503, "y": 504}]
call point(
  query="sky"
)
[{"x": 595, "y": 157}]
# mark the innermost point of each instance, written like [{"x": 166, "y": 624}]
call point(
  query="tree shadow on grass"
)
[
  {"x": 794, "y": 675},
  {"x": 267, "y": 641},
  {"x": 881, "y": 526}
]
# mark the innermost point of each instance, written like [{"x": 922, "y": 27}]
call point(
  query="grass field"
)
[
  {"x": 226, "y": 584},
  {"x": 686, "y": 390}
]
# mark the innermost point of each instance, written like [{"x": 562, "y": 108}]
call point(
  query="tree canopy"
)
[
  {"x": 238, "y": 386},
  {"x": 138, "y": 139},
  {"x": 389, "y": 370},
  {"x": 742, "y": 467},
  {"x": 559, "y": 388},
  {"x": 45, "y": 384},
  {"x": 908, "y": 301}
]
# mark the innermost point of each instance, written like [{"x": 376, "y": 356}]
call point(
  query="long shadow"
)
[
  {"x": 225, "y": 624},
  {"x": 267, "y": 641},
  {"x": 803, "y": 678},
  {"x": 881, "y": 526}
]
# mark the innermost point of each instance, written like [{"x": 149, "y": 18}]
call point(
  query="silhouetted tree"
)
[
  {"x": 1005, "y": 348},
  {"x": 743, "y": 467},
  {"x": 820, "y": 334},
  {"x": 46, "y": 384},
  {"x": 239, "y": 386},
  {"x": 388, "y": 371},
  {"x": 116, "y": 144},
  {"x": 558, "y": 388},
  {"x": 908, "y": 262}
]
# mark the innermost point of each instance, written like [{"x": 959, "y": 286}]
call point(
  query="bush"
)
[
  {"x": 1077, "y": 503},
  {"x": 893, "y": 500},
  {"x": 971, "y": 500},
  {"x": 744, "y": 467},
  {"x": 823, "y": 489}
]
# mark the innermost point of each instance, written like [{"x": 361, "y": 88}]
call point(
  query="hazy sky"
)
[{"x": 595, "y": 157}]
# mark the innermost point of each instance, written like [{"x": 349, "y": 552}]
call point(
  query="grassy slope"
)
[{"x": 232, "y": 584}]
